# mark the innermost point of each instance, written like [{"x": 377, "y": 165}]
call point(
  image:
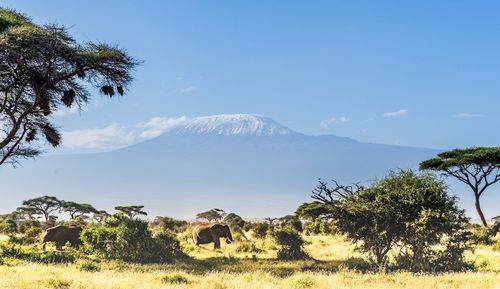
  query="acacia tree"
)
[
  {"x": 25, "y": 213},
  {"x": 76, "y": 210},
  {"x": 313, "y": 211},
  {"x": 213, "y": 215},
  {"x": 236, "y": 223},
  {"x": 478, "y": 168},
  {"x": 131, "y": 211},
  {"x": 100, "y": 216},
  {"x": 42, "y": 68},
  {"x": 43, "y": 206}
]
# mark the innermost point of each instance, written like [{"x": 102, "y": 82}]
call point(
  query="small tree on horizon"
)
[
  {"x": 478, "y": 168},
  {"x": 131, "y": 211},
  {"x": 43, "y": 206},
  {"x": 213, "y": 215},
  {"x": 100, "y": 216},
  {"x": 76, "y": 210}
]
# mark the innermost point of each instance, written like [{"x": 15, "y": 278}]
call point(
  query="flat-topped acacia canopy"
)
[{"x": 477, "y": 167}]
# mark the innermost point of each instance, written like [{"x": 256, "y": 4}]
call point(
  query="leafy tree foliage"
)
[
  {"x": 42, "y": 68},
  {"x": 131, "y": 211},
  {"x": 291, "y": 245},
  {"x": 234, "y": 221},
  {"x": 478, "y": 168},
  {"x": 291, "y": 222},
  {"x": 8, "y": 224},
  {"x": 76, "y": 210},
  {"x": 100, "y": 216},
  {"x": 169, "y": 224},
  {"x": 43, "y": 206},
  {"x": 129, "y": 239},
  {"x": 408, "y": 214},
  {"x": 260, "y": 229},
  {"x": 313, "y": 211},
  {"x": 25, "y": 213},
  {"x": 213, "y": 215}
]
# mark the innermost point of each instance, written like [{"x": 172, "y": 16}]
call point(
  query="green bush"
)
[
  {"x": 27, "y": 225},
  {"x": 8, "y": 226},
  {"x": 248, "y": 247},
  {"x": 407, "y": 214},
  {"x": 57, "y": 283},
  {"x": 170, "y": 224},
  {"x": 496, "y": 246},
  {"x": 260, "y": 230},
  {"x": 291, "y": 245},
  {"x": 174, "y": 278},
  {"x": 293, "y": 224},
  {"x": 89, "y": 266},
  {"x": 319, "y": 226},
  {"x": 127, "y": 239},
  {"x": 483, "y": 235}
]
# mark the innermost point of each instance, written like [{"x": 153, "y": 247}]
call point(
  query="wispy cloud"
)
[
  {"x": 115, "y": 136},
  {"x": 333, "y": 120},
  {"x": 108, "y": 137},
  {"x": 157, "y": 125},
  {"x": 400, "y": 112},
  {"x": 470, "y": 115},
  {"x": 189, "y": 89}
]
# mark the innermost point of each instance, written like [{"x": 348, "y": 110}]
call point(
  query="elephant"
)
[
  {"x": 62, "y": 234},
  {"x": 208, "y": 233}
]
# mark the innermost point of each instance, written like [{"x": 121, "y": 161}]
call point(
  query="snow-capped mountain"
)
[
  {"x": 247, "y": 164},
  {"x": 231, "y": 124}
]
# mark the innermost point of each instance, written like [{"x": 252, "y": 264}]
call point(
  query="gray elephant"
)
[
  {"x": 61, "y": 235},
  {"x": 208, "y": 233}
]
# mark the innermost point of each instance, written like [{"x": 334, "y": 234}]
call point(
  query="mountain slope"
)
[{"x": 242, "y": 163}]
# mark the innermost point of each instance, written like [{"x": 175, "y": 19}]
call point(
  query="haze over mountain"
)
[{"x": 242, "y": 163}]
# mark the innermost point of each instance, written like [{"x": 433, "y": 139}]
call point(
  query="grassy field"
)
[{"x": 231, "y": 268}]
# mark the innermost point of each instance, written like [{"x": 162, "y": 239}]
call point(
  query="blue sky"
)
[{"x": 417, "y": 73}]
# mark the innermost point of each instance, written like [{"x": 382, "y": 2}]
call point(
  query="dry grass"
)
[{"x": 229, "y": 269}]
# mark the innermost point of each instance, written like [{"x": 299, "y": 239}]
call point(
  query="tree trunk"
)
[{"x": 479, "y": 211}]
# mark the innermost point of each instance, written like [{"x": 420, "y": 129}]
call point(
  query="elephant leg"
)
[
  {"x": 59, "y": 246},
  {"x": 216, "y": 244},
  {"x": 43, "y": 246}
]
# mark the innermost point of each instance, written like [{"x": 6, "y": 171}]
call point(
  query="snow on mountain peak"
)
[{"x": 231, "y": 124}]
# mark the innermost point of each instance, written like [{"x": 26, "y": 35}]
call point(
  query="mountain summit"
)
[{"x": 230, "y": 124}]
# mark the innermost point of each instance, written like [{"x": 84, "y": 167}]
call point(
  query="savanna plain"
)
[{"x": 334, "y": 264}]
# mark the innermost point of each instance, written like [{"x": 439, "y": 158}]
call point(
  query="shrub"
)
[
  {"x": 319, "y": 226},
  {"x": 483, "y": 235},
  {"x": 291, "y": 223},
  {"x": 260, "y": 230},
  {"x": 89, "y": 266},
  {"x": 170, "y": 224},
  {"x": 496, "y": 246},
  {"x": 408, "y": 214},
  {"x": 291, "y": 245},
  {"x": 174, "y": 278},
  {"x": 7, "y": 225},
  {"x": 130, "y": 239},
  {"x": 304, "y": 282},
  {"x": 57, "y": 283},
  {"x": 24, "y": 226},
  {"x": 248, "y": 247}
]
